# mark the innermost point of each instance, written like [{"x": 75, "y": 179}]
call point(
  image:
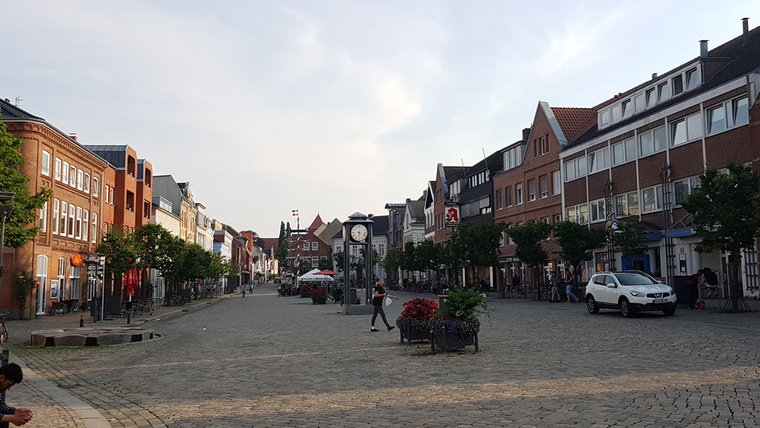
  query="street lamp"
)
[{"x": 5, "y": 209}]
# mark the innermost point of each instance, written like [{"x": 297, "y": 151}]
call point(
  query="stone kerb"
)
[{"x": 90, "y": 336}]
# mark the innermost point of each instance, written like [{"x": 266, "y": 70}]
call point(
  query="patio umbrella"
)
[{"x": 327, "y": 272}]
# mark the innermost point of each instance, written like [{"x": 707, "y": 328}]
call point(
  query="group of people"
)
[{"x": 568, "y": 281}]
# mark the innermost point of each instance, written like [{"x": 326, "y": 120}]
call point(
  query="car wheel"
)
[
  {"x": 625, "y": 308},
  {"x": 670, "y": 311},
  {"x": 591, "y": 305}
]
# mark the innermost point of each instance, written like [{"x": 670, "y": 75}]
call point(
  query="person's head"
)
[
  {"x": 381, "y": 281},
  {"x": 10, "y": 375}
]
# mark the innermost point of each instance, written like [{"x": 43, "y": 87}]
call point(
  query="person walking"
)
[
  {"x": 11, "y": 374},
  {"x": 569, "y": 288},
  {"x": 378, "y": 301},
  {"x": 554, "y": 281}
]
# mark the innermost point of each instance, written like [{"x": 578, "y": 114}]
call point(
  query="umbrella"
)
[{"x": 327, "y": 272}]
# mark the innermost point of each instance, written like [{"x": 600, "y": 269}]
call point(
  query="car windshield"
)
[{"x": 634, "y": 279}]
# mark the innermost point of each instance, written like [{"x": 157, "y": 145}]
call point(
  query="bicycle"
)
[{"x": 3, "y": 328}]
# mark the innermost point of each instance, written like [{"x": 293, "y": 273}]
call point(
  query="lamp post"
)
[
  {"x": 5, "y": 208},
  {"x": 103, "y": 290}
]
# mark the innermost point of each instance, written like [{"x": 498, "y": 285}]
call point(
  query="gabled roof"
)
[
  {"x": 315, "y": 224},
  {"x": 10, "y": 111},
  {"x": 380, "y": 225},
  {"x": 416, "y": 210},
  {"x": 329, "y": 231},
  {"x": 574, "y": 121}
]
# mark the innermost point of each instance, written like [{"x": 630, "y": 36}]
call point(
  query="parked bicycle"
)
[{"x": 3, "y": 328}]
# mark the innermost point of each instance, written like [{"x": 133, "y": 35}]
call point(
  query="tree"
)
[
  {"x": 726, "y": 214},
  {"x": 475, "y": 243},
  {"x": 393, "y": 260},
  {"x": 577, "y": 241},
  {"x": 20, "y": 224},
  {"x": 151, "y": 242},
  {"x": 629, "y": 237},
  {"x": 528, "y": 237}
]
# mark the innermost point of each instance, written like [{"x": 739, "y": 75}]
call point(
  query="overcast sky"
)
[{"x": 331, "y": 107}]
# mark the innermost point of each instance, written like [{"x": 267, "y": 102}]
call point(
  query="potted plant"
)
[
  {"x": 456, "y": 324},
  {"x": 412, "y": 321}
]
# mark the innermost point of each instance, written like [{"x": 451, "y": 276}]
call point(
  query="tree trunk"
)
[{"x": 735, "y": 301}]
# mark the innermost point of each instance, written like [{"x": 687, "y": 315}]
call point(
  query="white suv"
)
[{"x": 629, "y": 291}]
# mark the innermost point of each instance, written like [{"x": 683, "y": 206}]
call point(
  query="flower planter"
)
[
  {"x": 411, "y": 334},
  {"x": 452, "y": 341}
]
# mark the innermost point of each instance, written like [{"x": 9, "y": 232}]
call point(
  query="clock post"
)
[{"x": 357, "y": 232}]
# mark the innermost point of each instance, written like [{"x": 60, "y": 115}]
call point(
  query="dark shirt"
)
[{"x": 378, "y": 300}]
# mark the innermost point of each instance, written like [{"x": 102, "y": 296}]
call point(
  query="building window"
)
[
  {"x": 532, "y": 190},
  {"x": 43, "y": 217},
  {"x": 652, "y": 199},
  {"x": 314, "y": 261},
  {"x": 716, "y": 120},
  {"x": 577, "y": 213},
  {"x": 598, "y": 211},
  {"x": 95, "y": 187},
  {"x": 651, "y": 98},
  {"x": 499, "y": 200},
  {"x": 627, "y": 204},
  {"x": 683, "y": 188},
  {"x": 105, "y": 193},
  {"x": 508, "y": 196},
  {"x": 575, "y": 168},
  {"x": 543, "y": 183},
  {"x": 692, "y": 79},
  {"x": 663, "y": 92},
  {"x": 85, "y": 225},
  {"x": 80, "y": 179},
  {"x": 627, "y": 108},
  {"x": 94, "y": 234},
  {"x": 652, "y": 141},
  {"x": 72, "y": 217},
  {"x": 74, "y": 282},
  {"x": 740, "y": 111},
  {"x": 639, "y": 103},
  {"x": 57, "y": 171},
  {"x": 64, "y": 218},
  {"x": 624, "y": 151},
  {"x": 686, "y": 130},
  {"x": 78, "y": 230},
  {"x": 306, "y": 246},
  {"x": 599, "y": 160},
  {"x": 677, "y": 85},
  {"x": 65, "y": 170},
  {"x": 518, "y": 193},
  {"x": 56, "y": 207},
  {"x": 314, "y": 246},
  {"x": 73, "y": 176},
  {"x": 556, "y": 183},
  {"x": 604, "y": 118},
  {"x": 45, "y": 166},
  {"x": 86, "y": 183}
]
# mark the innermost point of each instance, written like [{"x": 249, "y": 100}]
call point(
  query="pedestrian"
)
[
  {"x": 378, "y": 301},
  {"x": 554, "y": 282},
  {"x": 11, "y": 374},
  {"x": 569, "y": 288},
  {"x": 692, "y": 284}
]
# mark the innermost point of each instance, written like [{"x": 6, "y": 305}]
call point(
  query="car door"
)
[{"x": 606, "y": 295}]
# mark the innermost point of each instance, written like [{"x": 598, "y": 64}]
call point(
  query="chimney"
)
[
  {"x": 703, "y": 48},
  {"x": 73, "y": 136},
  {"x": 745, "y": 27},
  {"x": 654, "y": 76},
  {"x": 526, "y": 134}
]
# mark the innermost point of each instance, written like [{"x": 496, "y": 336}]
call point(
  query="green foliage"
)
[
  {"x": 577, "y": 241},
  {"x": 324, "y": 264},
  {"x": 340, "y": 261},
  {"x": 528, "y": 237},
  {"x": 726, "y": 208},
  {"x": 475, "y": 244},
  {"x": 393, "y": 260},
  {"x": 22, "y": 289},
  {"x": 462, "y": 303},
  {"x": 20, "y": 224},
  {"x": 427, "y": 255},
  {"x": 629, "y": 237},
  {"x": 119, "y": 250}
]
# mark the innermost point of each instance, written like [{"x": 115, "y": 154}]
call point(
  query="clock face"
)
[{"x": 359, "y": 232}]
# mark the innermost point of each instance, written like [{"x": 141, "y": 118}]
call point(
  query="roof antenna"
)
[{"x": 18, "y": 101}]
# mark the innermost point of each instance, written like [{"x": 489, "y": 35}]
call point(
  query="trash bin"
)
[{"x": 354, "y": 296}]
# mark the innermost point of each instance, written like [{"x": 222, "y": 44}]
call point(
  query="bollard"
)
[
  {"x": 81, "y": 320},
  {"x": 129, "y": 316}
]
